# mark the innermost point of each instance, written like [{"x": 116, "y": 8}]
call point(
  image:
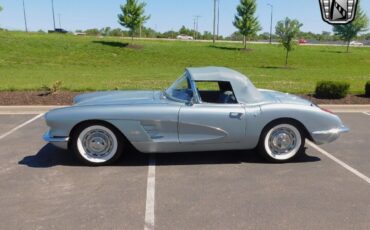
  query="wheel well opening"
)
[
  {"x": 87, "y": 122},
  {"x": 294, "y": 122}
]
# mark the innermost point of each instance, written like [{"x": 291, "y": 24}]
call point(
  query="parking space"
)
[
  {"x": 42, "y": 187},
  {"x": 239, "y": 191},
  {"x": 8, "y": 122},
  {"x": 354, "y": 147},
  {"x": 45, "y": 188}
]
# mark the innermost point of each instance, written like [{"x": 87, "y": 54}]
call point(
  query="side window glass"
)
[
  {"x": 181, "y": 90},
  {"x": 217, "y": 92}
]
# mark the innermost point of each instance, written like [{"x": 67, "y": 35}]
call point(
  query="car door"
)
[{"x": 211, "y": 123}]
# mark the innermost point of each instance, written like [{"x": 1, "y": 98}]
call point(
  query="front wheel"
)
[
  {"x": 281, "y": 142},
  {"x": 97, "y": 144}
]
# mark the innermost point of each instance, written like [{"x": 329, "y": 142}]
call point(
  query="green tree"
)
[
  {"x": 245, "y": 20},
  {"x": 350, "y": 31},
  {"x": 366, "y": 36},
  {"x": 169, "y": 34},
  {"x": 325, "y": 36},
  {"x": 132, "y": 16},
  {"x": 264, "y": 36},
  {"x": 92, "y": 32},
  {"x": 149, "y": 32},
  {"x": 287, "y": 30},
  {"x": 207, "y": 35},
  {"x": 117, "y": 32},
  {"x": 105, "y": 31},
  {"x": 236, "y": 36},
  {"x": 185, "y": 31},
  {"x": 190, "y": 32}
]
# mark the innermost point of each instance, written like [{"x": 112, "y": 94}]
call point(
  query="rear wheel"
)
[
  {"x": 281, "y": 142},
  {"x": 97, "y": 144}
]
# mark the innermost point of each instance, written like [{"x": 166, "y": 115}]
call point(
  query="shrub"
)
[
  {"x": 332, "y": 89},
  {"x": 53, "y": 89},
  {"x": 45, "y": 89},
  {"x": 367, "y": 89},
  {"x": 56, "y": 86}
]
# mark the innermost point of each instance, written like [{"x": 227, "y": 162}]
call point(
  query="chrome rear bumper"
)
[
  {"x": 327, "y": 136},
  {"x": 60, "y": 142}
]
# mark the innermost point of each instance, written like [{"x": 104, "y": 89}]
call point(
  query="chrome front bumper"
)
[
  {"x": 327, "y": 136},
  {"x": 60, "y": 142}
]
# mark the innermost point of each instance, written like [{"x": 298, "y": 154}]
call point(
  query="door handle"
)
[{"x": 236, "y": 115}]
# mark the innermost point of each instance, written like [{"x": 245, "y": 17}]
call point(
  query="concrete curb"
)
[
  {"x": 347, "y": 108},
  {"x": 4, "y": 110}
]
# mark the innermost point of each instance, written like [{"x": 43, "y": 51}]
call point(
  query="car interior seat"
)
[{"x": 227, "y": 97}]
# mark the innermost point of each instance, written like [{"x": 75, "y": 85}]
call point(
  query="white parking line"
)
[
  {"x": 150, "y": 196},
  {"x": 20, "y": 126},
  {"x": 367, "y": 113},
  {"x": 341, "y": 163}
]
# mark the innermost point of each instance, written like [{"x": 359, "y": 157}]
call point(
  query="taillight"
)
[
  {"x": 327, "y": 110},
  {"x": 323, "y": 109}
]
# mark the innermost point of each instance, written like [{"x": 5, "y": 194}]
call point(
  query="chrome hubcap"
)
[
  {"x": 97, "y": 143},
  {"x": 282, "y": 141}
]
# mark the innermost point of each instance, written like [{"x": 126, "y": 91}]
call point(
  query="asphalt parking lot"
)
[{"x": 42, "y": 187}]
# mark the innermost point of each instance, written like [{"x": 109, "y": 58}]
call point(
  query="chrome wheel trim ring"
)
[
  {"x": 283, "y": 142},
  {"x": 97, "y": 144}
]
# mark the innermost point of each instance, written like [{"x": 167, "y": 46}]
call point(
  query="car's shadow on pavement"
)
[{"x": 50, "y": 156}]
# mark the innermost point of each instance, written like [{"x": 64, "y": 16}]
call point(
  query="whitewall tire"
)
[
  {"x": 281, "y": 142},
  {"x": 97, "y": 144}
]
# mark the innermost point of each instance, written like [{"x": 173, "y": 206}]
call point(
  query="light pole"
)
[
  {"x": 214, "y": 21},
  {"x": 272, "y": 12},
  {"x": 196, "y": 26},
  {"x": 25, "y": 17},
  {"x": 60, "y": 21},
  {"x": 218, "y": 19},
  {"x": 198, "y": 16},
  {"x": 52, "y": 9}
]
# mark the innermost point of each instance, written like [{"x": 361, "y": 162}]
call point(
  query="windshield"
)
[{"x": 180, "y": 90}]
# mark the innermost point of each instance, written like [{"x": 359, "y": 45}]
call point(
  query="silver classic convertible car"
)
[{"x": 206, "y": 109}]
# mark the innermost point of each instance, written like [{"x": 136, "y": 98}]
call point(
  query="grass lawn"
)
[{"x": 29, "y": 61}]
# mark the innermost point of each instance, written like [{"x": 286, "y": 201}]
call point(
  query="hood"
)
[
  {"x": 117, "y": 98},
  {"x": 285, "y": 98}
]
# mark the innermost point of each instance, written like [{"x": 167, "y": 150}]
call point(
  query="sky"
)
[{"x": 165, "y": 14}]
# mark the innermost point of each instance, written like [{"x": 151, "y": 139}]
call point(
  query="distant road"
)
[{"x": 239, "y": 42}]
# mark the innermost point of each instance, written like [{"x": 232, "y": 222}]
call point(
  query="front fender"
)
[{"x": 138, "y": 123}]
